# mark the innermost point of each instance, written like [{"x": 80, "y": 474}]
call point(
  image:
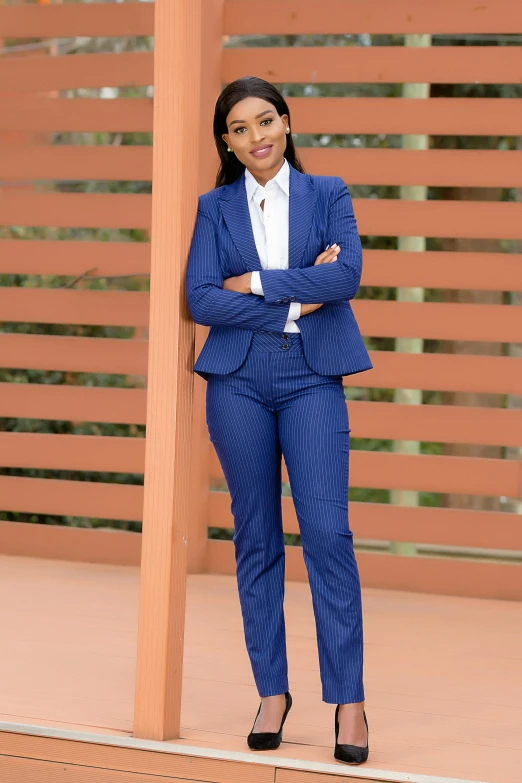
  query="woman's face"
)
[{"x": 257, "y": 136}]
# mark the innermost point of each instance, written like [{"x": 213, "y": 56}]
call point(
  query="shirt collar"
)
[{"x": 282, "y": 178}]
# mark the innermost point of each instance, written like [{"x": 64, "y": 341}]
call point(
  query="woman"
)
[{"x": 282, "y": 336}]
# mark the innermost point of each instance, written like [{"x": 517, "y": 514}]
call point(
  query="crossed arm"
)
[{"x": 211, "y": 304}]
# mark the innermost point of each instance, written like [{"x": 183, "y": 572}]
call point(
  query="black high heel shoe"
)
[
  {"x": 268, "y": 740},
  {"x": 351, "y": 754}
]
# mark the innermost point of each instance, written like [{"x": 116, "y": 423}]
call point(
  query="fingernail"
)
[{"x": 327, "y": 246}]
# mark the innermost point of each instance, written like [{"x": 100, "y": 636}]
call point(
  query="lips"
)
[{"x": 261, "y": 152}]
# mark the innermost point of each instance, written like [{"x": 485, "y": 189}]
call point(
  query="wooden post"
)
[
  {"x": 211, "y": 56},
  {"x": 170, "y": 377}
]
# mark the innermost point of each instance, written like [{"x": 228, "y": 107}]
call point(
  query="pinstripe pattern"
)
[
  {"x": 223, "y": 245},
  {"x": 276, "y": 404}
]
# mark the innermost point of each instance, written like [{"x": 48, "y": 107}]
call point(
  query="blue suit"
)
[{"x": 272, "y": 394}]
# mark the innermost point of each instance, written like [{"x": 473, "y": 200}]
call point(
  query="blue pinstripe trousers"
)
[{"x": 274, "y": 404}]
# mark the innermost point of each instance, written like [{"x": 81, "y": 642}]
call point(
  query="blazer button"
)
[
  {"x": 292, "y": 298},
  {"x": 278, "y": 301}
]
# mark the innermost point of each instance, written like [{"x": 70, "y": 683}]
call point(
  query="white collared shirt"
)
[{"x": 270, "y": 227}]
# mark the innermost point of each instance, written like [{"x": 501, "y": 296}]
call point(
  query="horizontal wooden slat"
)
[
  {"x": 75, "y": 71},
  {"x": 70, "y": 21},
  {"x": 51, "y": 305},
  {"x": 425, "y": 473},
  {"x": 75, "y": 210},
  {"x": 384, "y": 64},
  {"x": 74, "y": 258},
  {"x": 76, "y": 544},
  {"x": 439, "y": 575},
  {"x": 434, "y": 269},
  {"x": 64, "y": 162},
  {"x": 301, "y": 17},
  {"x": 429, "y": 269},
  {"x": 438, "y": 116},
  {"x": 432, "y": 320},
  {"x": 430, "y": 371},
  {"x": 419, "y": 524},
  {"x": 382, "y": 217},
  {"x": 472, "y": 168},
  {"x": 443, "y": 424},
  {"x": 73, "y": 354},
  {"x": 29, "y": 112},
  {"x": 72, "y": 403},
  {"x": 72, "y": 452},
  {"x": 71, "y": 498},
  {"x": 439, "y": 320}
]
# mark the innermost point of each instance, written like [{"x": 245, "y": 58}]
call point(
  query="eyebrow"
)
[{"x": 268, "y": 111}]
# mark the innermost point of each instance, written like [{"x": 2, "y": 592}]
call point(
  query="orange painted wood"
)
[
  {"x": 435, "y": 423},
  {"x": 437, "y": 116},
  {"x": 22, "y": 111},
  {"x": 386, "y": 522},
  {"x": 441, "y": 372},
  {"x": 21, "y": 770},
  {"x": 300, "y": 17},
  {"x": 380, "y": 64},
  {"x": 64, "y": 21},
  {"x": 72, "y": 498},
  {"x": 443, "y": 576},
  {"x": 384, "y": 217},
  {"x": 74, "y": 258},
  {"x": 437, "y": 648},
  {"x": 465, "y": 116},
  {"x": 52, "y": 305},
  {"x": 75, "y": 210},
  {"x": 425, "y": 473},
  {"x": 439, "y": 320},
  {"x": 73, "y": 354},
  {"x": 170, "y": 380},
  {"x": 432, "y": 320},
  {"x": 67, "y": 162},
  {"x": 430, "y": 269},
  {"x": 435, "y": 372},
  {"x": 72, "y": 403},
  {"x": 146, "y": 766},
  {"x": 75, "y": 544},
  {"x": 434, "y": 269},
  {"x": 474, "y": 168},
  {"x": 34, "y": 74},
  {"x": 72, "y": 452}
]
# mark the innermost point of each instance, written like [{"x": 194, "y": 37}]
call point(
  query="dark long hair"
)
[{"x": 246, "y": 87}]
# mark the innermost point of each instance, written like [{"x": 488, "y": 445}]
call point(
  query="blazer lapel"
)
[
  {"x": 234, "y": 206},
  {"x": 302, "y": 205}
]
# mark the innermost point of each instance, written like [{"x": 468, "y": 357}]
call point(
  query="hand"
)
[
  {"x": 309, "y": 308},
  {"x": 328, "y": 255},
  {"x": 239, "y": 283}
]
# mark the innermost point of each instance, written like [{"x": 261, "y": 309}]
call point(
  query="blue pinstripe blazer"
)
[{"x": 223, "y": 245}]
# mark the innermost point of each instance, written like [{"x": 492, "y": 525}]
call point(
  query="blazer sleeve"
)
[
  {"x": 212, "y": 305},
  {"x": 324, "y": 282}
]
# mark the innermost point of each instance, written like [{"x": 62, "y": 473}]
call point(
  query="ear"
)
[
  {"x": 285, "y": 121},
  {"x": 225, "y": 138}
]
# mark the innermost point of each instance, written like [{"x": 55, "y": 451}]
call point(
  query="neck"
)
[{"x": 263, "y": 177}]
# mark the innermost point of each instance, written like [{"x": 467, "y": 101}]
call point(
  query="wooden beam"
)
[{"x": 170, "y": 378}]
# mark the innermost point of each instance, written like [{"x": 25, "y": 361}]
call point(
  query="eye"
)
[
  {"x": 241, "y": 127},
  {"x": 268, "y": 119}
]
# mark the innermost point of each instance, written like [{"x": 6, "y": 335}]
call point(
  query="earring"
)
[
  {"x": 228, "y": 149},
  {"x": 288, "y": 130}
]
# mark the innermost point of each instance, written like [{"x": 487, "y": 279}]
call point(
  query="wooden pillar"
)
[
  {"x": 211, "y": 57},
  {"x": 177, "y": 75}
]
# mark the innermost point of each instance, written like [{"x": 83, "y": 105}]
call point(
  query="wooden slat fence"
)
[{"x": 33, "y": 98}]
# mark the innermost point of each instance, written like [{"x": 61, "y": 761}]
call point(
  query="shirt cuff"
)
[
  {"x": 295, "y": 311},
  {"x": 255, "y": 284}
]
